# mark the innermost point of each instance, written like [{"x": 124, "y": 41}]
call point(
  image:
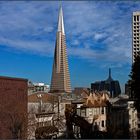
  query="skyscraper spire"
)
[
  {"x": 60, "y": 21},
  {"x": 60, "y": 81},
  {"x": 109, "y": 76},
  {"x": 109, "y": 72}
]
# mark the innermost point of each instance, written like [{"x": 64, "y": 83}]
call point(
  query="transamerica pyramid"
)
[{"x": 60, "y": 81}]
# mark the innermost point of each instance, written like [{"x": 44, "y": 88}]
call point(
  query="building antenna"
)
[{"x": 60, "y": 3}]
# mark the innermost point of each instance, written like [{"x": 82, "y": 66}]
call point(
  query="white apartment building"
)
[{"x": 135, "y": 35}]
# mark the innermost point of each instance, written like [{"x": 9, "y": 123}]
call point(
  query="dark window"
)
[
  {"x": 103, "y": 124},
  {"x": 134, "y": 18},
  {"x": 102, "y": 110},
  {"x": 138, "y": 125},
  {"x": 137, "y": 18}
]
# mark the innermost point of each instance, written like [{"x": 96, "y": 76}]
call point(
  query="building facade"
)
[
  {"x": 37, "y": 87},
  {"x": 136, "y": 35},
  {"x": 94, "y": 110},
  {"x": 46, "y": 110},
  {"x": 13, "y": 108},
  {"x": 60, "y": 81},
  {"x": 122, "y": 118}
]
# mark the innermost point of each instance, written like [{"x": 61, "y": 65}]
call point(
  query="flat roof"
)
[
  {"x": 13, "y": 78},
  {"x": 136, "y": 13}
]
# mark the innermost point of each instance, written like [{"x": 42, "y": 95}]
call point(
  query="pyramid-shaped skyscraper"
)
[{"x": 60, "y": 81}]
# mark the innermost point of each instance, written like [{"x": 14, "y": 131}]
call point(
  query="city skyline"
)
[{"x": 98, "y": 37}]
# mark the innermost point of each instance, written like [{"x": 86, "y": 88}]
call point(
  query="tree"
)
[
  {"x": 135, "y": 82},
  {"x": 16, "y": 124}
]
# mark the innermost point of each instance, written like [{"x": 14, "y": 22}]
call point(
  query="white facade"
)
[
  {"x": 95, "y": 115},
  {"x": 38, "y": 87},
  {"x": 136, "y": 35},
  {"x": 33, "y": 121},
  {"x": 133, "y": 119},
  {"x": 94, "y": 109}
]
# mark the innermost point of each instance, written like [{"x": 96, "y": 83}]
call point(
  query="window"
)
[
  {"x": 134, "y": 18},
  {"x": 102, "y": 110},
  {"x": 83, "y": 113},
  {"x": 90, "y": 111},
  {"x": 137, "y": 18},
  {"x": 103, "y": 124},
  {"x": 95, "y": 111}
]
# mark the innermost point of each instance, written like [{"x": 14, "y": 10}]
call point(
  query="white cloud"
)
[
  {"x": 98, "y": 36},
  {"x": 44, "y": 48},
  {"x": 32, "y": 26},
  {"x": 75, "y": 42}
]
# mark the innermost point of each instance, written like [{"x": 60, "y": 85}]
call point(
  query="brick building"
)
[{"x": 13, "y": 108}]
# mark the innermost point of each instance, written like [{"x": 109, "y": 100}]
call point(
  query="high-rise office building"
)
[
  {"x": 110, "y": 85},
  {"x": 136, "y": 35},
  {"x": 60, "y": 81}
]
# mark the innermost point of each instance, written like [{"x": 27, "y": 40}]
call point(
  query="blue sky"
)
[{"x": 98, "y": 37}]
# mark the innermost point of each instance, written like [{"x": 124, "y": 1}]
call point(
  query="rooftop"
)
[{"x": 97, "y": 99}]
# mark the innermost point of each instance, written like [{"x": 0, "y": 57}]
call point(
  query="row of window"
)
[
  {"x": 136, "y": 38},
  {"x": 136, "y": 23},
  {"x": 135, "y": 53},
  {"x": 136, "y": 34},
  {"x": 102, "y": 123},
  {"x": 136, "y": 30},
  {"x": 96, "y": 111},
  {"x": 136, "y": 44},
  {"x": 136, "y": 41},
  {"x": 136, "y": 49},
  {"x": 136, "y": 18},
  {"x": 136, "y": 26}
]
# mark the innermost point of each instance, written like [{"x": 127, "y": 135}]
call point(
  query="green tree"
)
[{"x": 135, "y": 82}]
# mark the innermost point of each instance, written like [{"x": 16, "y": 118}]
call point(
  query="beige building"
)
[
  {"x": 45, "y": 109},
  {"x": 94, "y": 110},
  {"x": 136, "y": 35},
  {"x": 60, "y": 81}
]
